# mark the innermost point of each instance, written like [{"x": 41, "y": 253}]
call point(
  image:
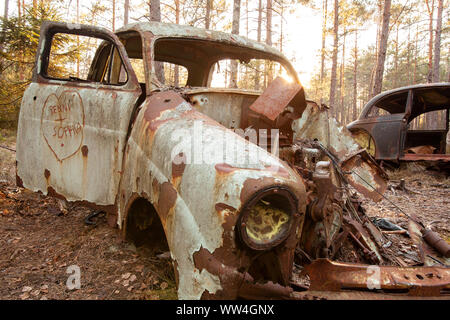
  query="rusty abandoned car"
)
[
  {"x": 385, "y": 126},
  {"x": 122, "y": 141}
]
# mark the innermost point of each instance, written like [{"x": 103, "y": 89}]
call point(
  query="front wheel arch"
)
[{"x": 143, "y": 227}]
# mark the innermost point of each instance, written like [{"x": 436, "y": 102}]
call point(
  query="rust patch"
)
[
  {"x": 224, "y": 168},
  {"x": 160, "y": 102},
  {"x": 155, "y": 186},
  {"x": 110, "y": 209},
  {"x": 326, "y": 275},
  {"x": 275, "y": 98},
  {"x": 253, "y": 185},
  {"x": 372, "y": 185},
  {"x": 166, "y": 200},
  {"x": 84, "y": 150},
  {"x": 223, "y": 206},
  {"x": 137, "y": 182},
  {"x": 46, "y": 174},
  {"x": 178, "y": 165},
  {"x": 19, "y": 181}
]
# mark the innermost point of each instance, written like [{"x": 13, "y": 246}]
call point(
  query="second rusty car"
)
[{"x": 405, "y": 124}]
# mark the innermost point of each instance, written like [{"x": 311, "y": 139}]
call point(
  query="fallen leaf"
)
[
  {"x": 27, "y": 289},
  {"x": 164, "y": 285},
  {"x": 126, "y": 275},
  {"x": 139, "y": 268},
  {"x": 24, "y": 296},
  {"x": 143, "y": 286}
]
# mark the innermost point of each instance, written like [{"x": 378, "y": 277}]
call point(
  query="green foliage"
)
[{"x": 19, "y": 41}]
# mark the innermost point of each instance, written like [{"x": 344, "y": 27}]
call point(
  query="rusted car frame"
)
[
  {"x": 387, "y": 136},
  {"x": 232, "y": 226}
]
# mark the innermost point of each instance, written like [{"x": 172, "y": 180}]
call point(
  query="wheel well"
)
[{"x": 144, "y": 228}]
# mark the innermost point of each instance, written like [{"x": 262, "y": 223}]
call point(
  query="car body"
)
[
  {"x": 148, "y": 154},
  {"x": 390, "y": 136}
]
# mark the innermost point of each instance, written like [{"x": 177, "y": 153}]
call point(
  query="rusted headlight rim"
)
[{"x": 278, "y": 190}]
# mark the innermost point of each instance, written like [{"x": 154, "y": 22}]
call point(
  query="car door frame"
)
[
  {"x": 104, "y": 110},
  {"x": 388, "y": 131}
]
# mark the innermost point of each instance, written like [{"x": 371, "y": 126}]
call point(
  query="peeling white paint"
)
[{"x": 194, "y": 222}]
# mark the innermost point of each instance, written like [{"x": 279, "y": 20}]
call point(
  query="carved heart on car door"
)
[{"x": 62, "y": 123}]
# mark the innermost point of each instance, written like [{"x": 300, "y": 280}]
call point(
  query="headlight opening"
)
[{"x": 266, "y": 219}]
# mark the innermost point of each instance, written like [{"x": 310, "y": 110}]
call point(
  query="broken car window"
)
[
  {"x": 82, "y": 58},
  {"x": 170, "y": 75},
  {"x": 254, "y": 74},
  {"x": 376, "y": 112},
  {"x": 138, "y": 67},
  {"x": 434, "y": 120}
]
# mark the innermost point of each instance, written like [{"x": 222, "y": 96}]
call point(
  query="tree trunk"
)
[
  {"x": 437, "y": 43},
  {"x": 258, "y": 38},
  {"x": 126, "y": 10},
  {"x": 381, "y": 57},
  {"x": 176, "y": 76},
  {"x": 415, "y": 54},
  {"x": 430, "y": 10},
  {"x": 235, "y": 30},
  {"x": 408, "y": 60},
  {"x": 396, "y": 75},
  {"x": 113, "y": 15},
  {"x": 2, "y": 40},
  {"x": 322, "y": 52},
  {"x": 377, "y": 45},
  {"x": 246, "y": 18},
  {"x": 269, "y": 38},
  {"x": 281, "y": 26},
  {"x": 208, "y": 13},
  {"x": 5, "y": 15},
  {"x": 334, "y": 60},
  {"x": 355, "y": 73},
  {"x": 430, "y": 122},
  {"x": 342, "y": 110},
  {"x": 78, "y": 39},
  {"x": 155, "y": 15}
]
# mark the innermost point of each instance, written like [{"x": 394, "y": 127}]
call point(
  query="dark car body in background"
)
[{"x": 396, "y": 125}]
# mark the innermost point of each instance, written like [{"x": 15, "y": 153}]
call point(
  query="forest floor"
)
[{"x": 40, "y": 242}]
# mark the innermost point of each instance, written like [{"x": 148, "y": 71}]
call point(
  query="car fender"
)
[{"x": 198, "y": 203}]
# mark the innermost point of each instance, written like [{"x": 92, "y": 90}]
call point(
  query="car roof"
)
[
  {"x": 163, "y": 30},
  {"x": 433, "y": 95}
]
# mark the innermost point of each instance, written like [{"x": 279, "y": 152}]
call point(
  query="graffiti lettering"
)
[
  {"x": 59, "y": 109},
  {"x": 67, "y": 131},
  {"x": 63, "y": 123}
]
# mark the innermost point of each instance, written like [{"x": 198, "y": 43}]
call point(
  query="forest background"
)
[{"x": 345, "y": 51}]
